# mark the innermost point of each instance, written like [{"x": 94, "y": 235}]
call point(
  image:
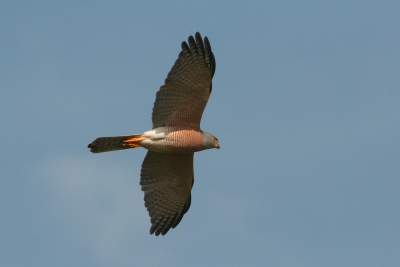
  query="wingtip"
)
[
  {"x": 185, "y": 47},
  {"x": 197, "y": 35}
]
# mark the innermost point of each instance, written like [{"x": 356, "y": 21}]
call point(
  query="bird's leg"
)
[{"x": 134, "y": 141}]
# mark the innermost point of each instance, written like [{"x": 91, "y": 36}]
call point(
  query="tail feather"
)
[{"x": 105, "y": 144}]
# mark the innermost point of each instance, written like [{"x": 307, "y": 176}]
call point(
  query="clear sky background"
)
[{"x": 305, "y": 103}]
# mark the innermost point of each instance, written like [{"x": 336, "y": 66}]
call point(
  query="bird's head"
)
[{"x": 210, "y": 141}]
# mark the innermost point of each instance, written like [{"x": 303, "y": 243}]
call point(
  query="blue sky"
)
[{"x": 305, "y": 104}]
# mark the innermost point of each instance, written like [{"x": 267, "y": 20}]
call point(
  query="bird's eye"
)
[{"x": 214, "y": 139}]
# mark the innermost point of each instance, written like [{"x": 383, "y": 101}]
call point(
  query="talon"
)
[{"x": 134, "y": 141}]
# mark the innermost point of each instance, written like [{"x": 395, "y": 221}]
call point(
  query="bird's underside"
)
[{"x": 167, "y": 171}]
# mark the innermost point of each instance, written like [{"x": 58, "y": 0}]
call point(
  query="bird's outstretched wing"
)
[
  {"x": 183, "y": 97},
  {"x": 167, "y": 181}
]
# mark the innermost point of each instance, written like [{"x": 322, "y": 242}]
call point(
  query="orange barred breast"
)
[{"x": 178, "y": 141}]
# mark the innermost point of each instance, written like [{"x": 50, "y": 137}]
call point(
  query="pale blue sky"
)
[{"x": 305, "y": 104}]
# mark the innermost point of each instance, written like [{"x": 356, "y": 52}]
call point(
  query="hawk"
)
[{"x": 167, "y": 177}]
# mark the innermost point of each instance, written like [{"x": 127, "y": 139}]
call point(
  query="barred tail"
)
[{"x": 105, "y": 144}]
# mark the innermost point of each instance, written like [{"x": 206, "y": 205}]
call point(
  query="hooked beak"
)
[{"x": 217, "y": 145}]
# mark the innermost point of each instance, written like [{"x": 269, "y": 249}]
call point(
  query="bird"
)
[{"x": 167, "y": 174}]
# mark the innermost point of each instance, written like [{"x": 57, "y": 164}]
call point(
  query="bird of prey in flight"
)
[{"x": 167, "y": 170}]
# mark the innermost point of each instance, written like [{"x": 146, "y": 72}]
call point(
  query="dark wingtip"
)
[
  {"x": 191, "y": 39},
  {"x": 153, "y": 229},
  {"x": 213, "y": 64},
  {"x": 197, "y": 35},
  {"x": 207, "y": 42},
  {"x": 185, "y": 47}
]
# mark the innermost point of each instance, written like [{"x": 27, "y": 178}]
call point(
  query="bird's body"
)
[
  {"x": 167, "y": 171},
  {"x": 161, "y": 139}
]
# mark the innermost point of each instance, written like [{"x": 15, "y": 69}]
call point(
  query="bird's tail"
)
[{"x": 105, "y": 144}]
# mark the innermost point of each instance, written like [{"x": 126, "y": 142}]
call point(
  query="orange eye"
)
[{"x": 214, "y": 139}]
